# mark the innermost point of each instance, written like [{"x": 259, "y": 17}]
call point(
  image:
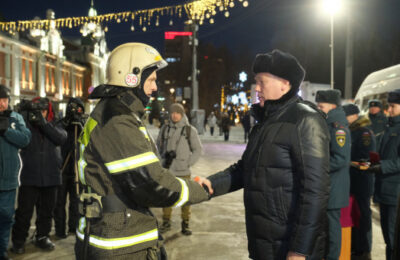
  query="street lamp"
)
[{"x": 332, "y": 7}]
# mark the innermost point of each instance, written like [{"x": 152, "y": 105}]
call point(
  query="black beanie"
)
[
  {"x": 4, "y": 92},
  {"x": 374, "y": 103},
  {"x": 394, "y": 96},
  {"x": 280, "y": 64},
  {"x": 331, "y": 96},
  {"x": 351, "y": 109},
  {"x": 178, "y": 108}
]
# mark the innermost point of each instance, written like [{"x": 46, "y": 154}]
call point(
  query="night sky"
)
[{"x": 297, "y": 26}]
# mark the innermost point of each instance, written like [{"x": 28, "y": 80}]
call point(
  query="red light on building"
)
[
  {"x": 206, "y": 57},
  {"x": 172, "y": 35}
]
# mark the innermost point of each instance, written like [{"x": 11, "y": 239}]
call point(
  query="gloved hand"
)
[
  {"x": 36, "y": 118},
  {"x": 4, "y": 124},
  {"x": 375, "y": 169}
]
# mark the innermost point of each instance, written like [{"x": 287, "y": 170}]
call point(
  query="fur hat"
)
[
  {"x": 178, "y": 108},
  {"x": 394, "y": 96},
  {"x": 374, "y": 103},
  {"x": 331, "y": 96},
  {"x": 351, "y": 109},
  {"x": 4, "y": 92},
  {"x": 280, "y": 64}
]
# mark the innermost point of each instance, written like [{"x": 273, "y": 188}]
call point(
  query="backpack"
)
[{"x": 186, "y": 128}]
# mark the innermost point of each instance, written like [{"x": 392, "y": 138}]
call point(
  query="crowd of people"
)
[{"x": 308, "y": 171}]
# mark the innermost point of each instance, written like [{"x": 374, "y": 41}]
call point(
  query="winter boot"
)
[
  {"x": 185, "y": 228},
  {"x": 166, "y": 226}
]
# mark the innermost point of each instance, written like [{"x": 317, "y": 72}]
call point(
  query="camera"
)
[
  {"x": 168, "y": 158},
  {"x": 75, "y": 113},
  {"x": 32, "y": 110}
]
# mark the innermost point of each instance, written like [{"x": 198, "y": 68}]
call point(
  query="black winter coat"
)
[
  {"x": 42, "y": 157},
  {"x": 284, "y": 173}
]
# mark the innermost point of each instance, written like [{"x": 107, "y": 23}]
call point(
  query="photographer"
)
[
  {"x": 180, "y": 148},
  {"x": 40, "y": 175},
  {"x": 73, "y": 123},
  {"x": 13, "y": 136}
]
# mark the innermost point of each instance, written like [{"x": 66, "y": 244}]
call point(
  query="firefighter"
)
[
  {"x": 119, "y": 170},
  {"x": 340, "y": 152}
]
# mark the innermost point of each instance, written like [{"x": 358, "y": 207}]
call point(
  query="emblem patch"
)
[
  {"x": 340, "y": 137},
  {"x": 366, "y": 138}
]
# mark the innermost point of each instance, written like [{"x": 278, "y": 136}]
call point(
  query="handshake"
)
[{"x": 205, "y": 183}]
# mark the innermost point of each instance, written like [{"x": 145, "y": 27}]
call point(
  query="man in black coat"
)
[
  {"x": 73, "y": 123},
  {"x": 361, "y": 182},
  {"x": 284, "y": 169},
  {"x": 339, "y": 149},
  {"x": 40, "y": 175}
]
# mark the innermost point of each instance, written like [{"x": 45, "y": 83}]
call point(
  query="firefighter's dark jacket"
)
[
  {"x": 41, "y": 159},
  {"x": 284, "y": 173},
  {"x": 362, "y": 142},
  {"x": 118, "y": 157},
  {"x": 387, "y": 184}
]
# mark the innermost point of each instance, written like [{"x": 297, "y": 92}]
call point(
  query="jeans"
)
[{"x": 7, "y": 201}]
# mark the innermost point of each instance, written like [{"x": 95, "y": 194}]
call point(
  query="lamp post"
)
[{"x": 332, "y": 7}]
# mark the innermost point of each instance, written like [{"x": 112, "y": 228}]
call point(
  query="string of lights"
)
[{"x": 198, "y": 10}]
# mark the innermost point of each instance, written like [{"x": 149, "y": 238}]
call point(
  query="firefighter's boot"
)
[
  {"x": 166, "y": 226},
  {"x": 185, "y": 228}
]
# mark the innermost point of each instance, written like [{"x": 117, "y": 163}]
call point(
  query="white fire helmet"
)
[{"x": 127, "y": 62}]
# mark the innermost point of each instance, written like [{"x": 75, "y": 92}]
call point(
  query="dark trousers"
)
[
  {"x": 211, "y": 130},
  {"x": 388, "y": 222},
  {"x": 7, "y": 201},
  {"x": 226, "y": 135},
  {"x": 335, "y": 234},
  {"x": 362, "y": 236},
  {"x": 68, "y": 188},
  {"x": 246, "y": 135},
  {"x": 44, "y": 198}
]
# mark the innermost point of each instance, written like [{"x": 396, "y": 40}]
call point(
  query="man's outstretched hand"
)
[{"x": 206, "y": 183}]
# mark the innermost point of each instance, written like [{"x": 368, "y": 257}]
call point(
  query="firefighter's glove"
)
[
  {"x": 375, "y": 169},
  {"x": 4, "y": 124}
]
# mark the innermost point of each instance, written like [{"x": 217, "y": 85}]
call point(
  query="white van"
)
[{"x": 376, "y": 86}]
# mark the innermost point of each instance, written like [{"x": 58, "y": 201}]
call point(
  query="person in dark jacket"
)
[
  {"x": 73, "y": 123},
  {"x": 225, "y": 125},
  {"x": 361, "y": 182},
  {"x": 246, "y": 125},
  {"x": 377, "y": 117},
  {"x": 14, "y": 135},
  {"x": 340, "y": 144},
  {"x": 387, "y": 172},
  {"x": 40, "y": 176},
  {"x": 284, "y": 169}
]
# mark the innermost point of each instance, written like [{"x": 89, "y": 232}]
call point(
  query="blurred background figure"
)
[
  {"x": 73, "y": 123},
  {"x": 180, "y": 148},
  {"x": 212, "y": 122},
  {"x": 246, "y": 125},
  {"x": 40, "y": 175}
]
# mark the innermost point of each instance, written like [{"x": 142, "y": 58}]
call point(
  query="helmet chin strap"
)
[{"x": 139, "y": 92}]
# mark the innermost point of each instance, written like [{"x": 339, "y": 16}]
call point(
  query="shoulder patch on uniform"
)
[
  {"x": 366, "y": 138},
  {"x": 340, "y": 137}
]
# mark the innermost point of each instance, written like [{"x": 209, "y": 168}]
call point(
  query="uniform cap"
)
[{"x": 331, "y": 96}]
